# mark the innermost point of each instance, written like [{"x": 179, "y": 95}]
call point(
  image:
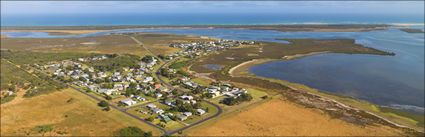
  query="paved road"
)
[{"x": 220, "y": 110}]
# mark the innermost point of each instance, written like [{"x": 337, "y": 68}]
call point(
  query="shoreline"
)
[{"x": 233, "y": 72}]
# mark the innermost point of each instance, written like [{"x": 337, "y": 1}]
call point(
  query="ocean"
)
[{"x": 203, "y": 19}]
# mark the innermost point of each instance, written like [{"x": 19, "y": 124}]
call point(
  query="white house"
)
[
  {"x": 187, "y": 113},
  {"x": 185, "y": 97},
  {"x": 200, "y": 111},
  {"x": 128, "y": 101},
  {"x": 157, "y": 111},
  {"x": 151, "y": 106}
]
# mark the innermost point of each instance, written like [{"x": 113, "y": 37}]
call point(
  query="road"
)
[{"x": 220, "y": 110}]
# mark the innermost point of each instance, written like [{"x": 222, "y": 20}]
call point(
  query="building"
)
[
  {"x": 151, "y": 106},
  {"x": 158, "y": 95},
  {"x": 157, "y": 111},
  {"x": 128, "y": 101},
  {"x": 181, "y": 117},
  {"x": 200, "y": 111},
  {"x": 139, "y": 98},
  {"x": 185, "y": 97},
  {"x": 187, "y": 113},
  {"x": 165, "y": 118}
]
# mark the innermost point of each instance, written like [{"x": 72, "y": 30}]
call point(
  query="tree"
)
[
  {"x": 150, "y": 119},
  {"x": 107, "y": 108},
  {"x": 147, "y": 58},
  {"x": 44, "y": 129},
  {"x": 103, "y": 103}
]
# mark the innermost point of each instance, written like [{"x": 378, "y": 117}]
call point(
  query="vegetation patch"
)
[
  {"x": 417, "y": 117},
  {"x": 116, "y": 62},
  {"x": 13, "y": 77},
  {"x": 25, "y": 57},
  {"x": 42, "y": 129},
  {"x": 133, "y": 131},
  {"x": 179, "y": 65}
]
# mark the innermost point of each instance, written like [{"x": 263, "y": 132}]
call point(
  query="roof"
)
[{"x": 127, "y": 100}]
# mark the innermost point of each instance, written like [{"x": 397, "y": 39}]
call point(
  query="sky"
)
[{"x": 107, "y": 7}]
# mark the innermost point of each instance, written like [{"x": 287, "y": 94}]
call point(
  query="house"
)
[
  {"x": 165, "y": 118},
  {"x": 151, "y": 106},
  {"x": 147, "y": 79},
  {"x": 158, "y": 95},
  {"x": 157, "y": 86},
  {"x": 200, "y": 111},
  {"x": 118, "y": 87},
  {"x": 169, "y": 103},
  {"x": 181, "y": 117},
  {"x": 190, "y": 84},
  {"x": 157, "y": 111},
  {"x": 106, "y": 91},
  {"x": 102, "y": 74},
  {"x": 139, "y": 98},
  {"x": 185, "y": 97},
  {"x": 93, "y": 87},
  {"x": 128, "y": 101},
  {"x": 187, "y": 113}
]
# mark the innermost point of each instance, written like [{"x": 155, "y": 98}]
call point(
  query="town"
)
[{"x": 134, "y": 84}]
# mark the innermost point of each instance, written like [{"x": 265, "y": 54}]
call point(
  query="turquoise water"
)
[{"x": 396, "y": 81}]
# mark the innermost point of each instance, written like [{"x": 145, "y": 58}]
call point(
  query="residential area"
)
[{"x": 147, "y": 87}]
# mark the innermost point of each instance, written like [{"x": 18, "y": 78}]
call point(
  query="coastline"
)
[{"x": 241, "y": 70}]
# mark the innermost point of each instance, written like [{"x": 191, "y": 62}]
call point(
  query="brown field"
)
[
  {"x": 68, "y": 111},
  {"x": 110, "y": 44},
  {"x": 279, "y": 117}
]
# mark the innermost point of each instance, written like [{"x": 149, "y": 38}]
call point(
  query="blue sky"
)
[{"x": 81, "y": 7}]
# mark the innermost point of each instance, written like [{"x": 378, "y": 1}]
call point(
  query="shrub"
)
[
  {"x": 133, "y": 131},
  {"x": 103, "y": 103}
]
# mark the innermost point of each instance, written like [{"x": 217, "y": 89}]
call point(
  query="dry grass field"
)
[
  {"x": 109, "y": 44},
  {"x": 68, "y": 112},
  {"x": 98, "y": 44},
  {"x": 279, "y": 117}
]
